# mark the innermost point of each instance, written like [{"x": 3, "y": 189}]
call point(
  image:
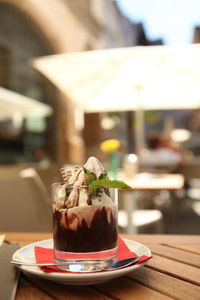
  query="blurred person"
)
[
  {"x": 160, "y": 152},
  {"x": 193, "y": 125}
]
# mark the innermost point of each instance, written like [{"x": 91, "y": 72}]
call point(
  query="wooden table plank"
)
[
  {"x": 165, "y": 284},
  {"x": 27, "y": 291},
  {"x": 190, "y": 248},
  {"x": 124, "y": 289},
  {"x": 177, "y": 255},
  {"x": 176, "y": 269},
  {"x": 2, "y": 237},
  {"x": 63, "y": 292},
  {"x": 153, "y": 182},
  {"x": 164, "y": 239},
  {"x": 25, "y": 238},
  {"x": 170, "y": 274}
]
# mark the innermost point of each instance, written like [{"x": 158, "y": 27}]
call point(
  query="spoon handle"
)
[
  {"x": 116, "y": 265},
  {"x": 17, "y": 262}
]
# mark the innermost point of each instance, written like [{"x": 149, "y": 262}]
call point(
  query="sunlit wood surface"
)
[
  {"x": 172, "y": 273},
  {"x": 148, "y": 181}
]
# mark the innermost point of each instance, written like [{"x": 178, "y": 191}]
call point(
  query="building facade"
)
[{"x": 33, "y": 28}]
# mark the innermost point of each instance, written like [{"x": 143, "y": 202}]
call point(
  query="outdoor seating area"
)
[
  {"x": 99, "y": 149},
  {"x": 157, "y": 200}
]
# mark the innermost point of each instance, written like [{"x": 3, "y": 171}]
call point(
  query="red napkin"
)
[{"x": 46, "y": 255}]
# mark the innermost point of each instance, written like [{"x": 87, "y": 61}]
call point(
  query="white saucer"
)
[{"x": 26, "y": 254}]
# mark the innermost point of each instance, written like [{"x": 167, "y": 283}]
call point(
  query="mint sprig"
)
[
  {"x": 110, "y": 184},
  {"x": 95, "y": 184},
  {"x": 93, "y": 190},
  {"x": 91, "y": 176}
]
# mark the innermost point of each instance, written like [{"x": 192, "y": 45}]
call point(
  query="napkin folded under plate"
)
[{"x": 46, "y": 255}]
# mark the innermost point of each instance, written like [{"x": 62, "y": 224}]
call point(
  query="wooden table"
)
[
  {"x": 147, "y": 182},
  {"x": 172, "y": 273}
]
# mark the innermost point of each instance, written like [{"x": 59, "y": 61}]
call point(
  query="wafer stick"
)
[{"x": 64, "y": 175}]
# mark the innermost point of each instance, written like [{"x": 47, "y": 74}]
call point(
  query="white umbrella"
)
[
  {"x": 133, "y": 78},
  {"x": 105, "y": 80},
  {"x": 13, "y": 104}
]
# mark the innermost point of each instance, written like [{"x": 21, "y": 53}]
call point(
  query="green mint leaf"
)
[
  {"x": 103, "y": 176},
  {"x": 93, "y": 190},
  {"x": 91, "y": 176},
  {"x": 111, "y": 183}
]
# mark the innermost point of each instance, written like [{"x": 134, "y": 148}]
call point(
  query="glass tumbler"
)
[{"x": 85, "y": 230}]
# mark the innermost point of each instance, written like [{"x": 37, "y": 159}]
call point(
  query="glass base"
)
[
  {"x": 85, "y": 262},
  {"x": 84, "y": 265}
]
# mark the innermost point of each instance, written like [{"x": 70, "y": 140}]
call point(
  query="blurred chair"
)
[
  {"x": 24, "y": 203},
  {"x": 142, "y": 220},
  {"x": 190, "y": 169},
  {"x": 48, "y": 175},
  {"x": 10, "y": 171},
  {"x": 191, "y": 173}
]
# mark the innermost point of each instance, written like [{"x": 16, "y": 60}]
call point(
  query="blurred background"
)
[{"x": 36, "y": 141}]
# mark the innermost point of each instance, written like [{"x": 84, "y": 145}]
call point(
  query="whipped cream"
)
[{"x": 74, "y": 200}]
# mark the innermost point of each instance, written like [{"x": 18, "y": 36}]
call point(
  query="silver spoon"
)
[{"x": 78, "y": 268}]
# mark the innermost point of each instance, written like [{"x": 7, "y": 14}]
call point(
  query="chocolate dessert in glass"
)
[{"x": 85, "y": 228}]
